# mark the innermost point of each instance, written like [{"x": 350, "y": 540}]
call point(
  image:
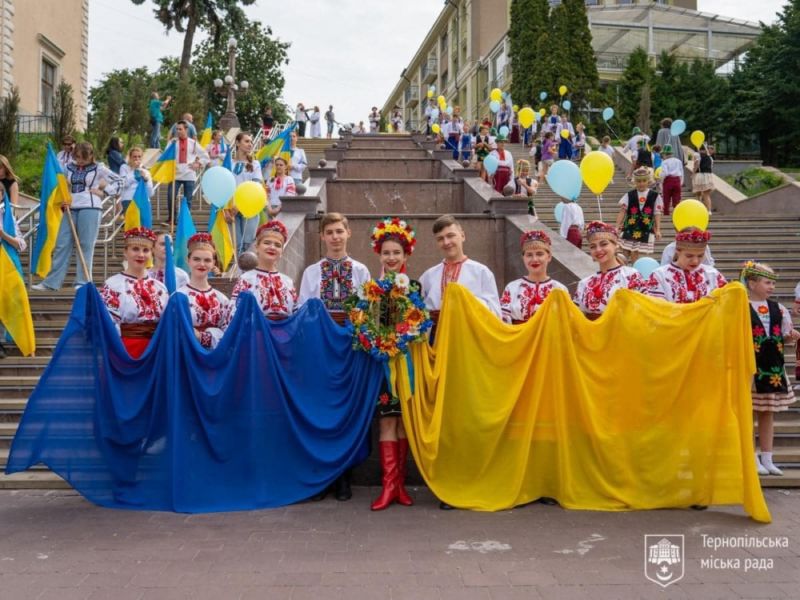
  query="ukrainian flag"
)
[
  {"x": 55, "y": 191},
  {"x": 280, "y": 146},
  {"x": 139, "y": 213},
  {"x": 184, "y": 231},
  {"x": 15, "y": 311},
  {"x": 205, "y": 137},
  {"x": 164, "y": 171}
]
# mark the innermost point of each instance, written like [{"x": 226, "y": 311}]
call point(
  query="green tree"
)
[
  {"x": 667, "y": 93},
  {"x": 186, "y": 16},
  {"x": 638, "y": 74},
  {"x": 63, "y": 112},
  {"x": 137, "y": 85},
  {"x": 9, "y": 111},
  {"x": 528, "y": 23},
  {"x": 259, "y": 61},
  {"x": 105, "y": 122},
  {"x": 575, "y": 59}
]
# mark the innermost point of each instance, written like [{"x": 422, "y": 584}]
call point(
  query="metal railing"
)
[{"x": 27, "y": 124}]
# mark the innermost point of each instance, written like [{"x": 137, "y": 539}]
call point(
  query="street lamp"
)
[{"x": 228, "y": 88}]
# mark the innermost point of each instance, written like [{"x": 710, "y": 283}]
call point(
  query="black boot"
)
[
  {"x": 2, "y": 351},
  {"x": 341, "y": 487}
]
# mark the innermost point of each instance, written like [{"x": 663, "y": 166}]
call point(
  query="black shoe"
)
[
  {"x": 698, "y": 507},
  {"x": 446, "y": 506},
  {"x": 2, "y": 351},
  {"x": 547, "y": 501},
  {"x": 341, "y": 487}
]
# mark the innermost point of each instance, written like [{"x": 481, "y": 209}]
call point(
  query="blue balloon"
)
[
  {"x": 218, "y": 185},
  {"x": 646, "y": 266},
  {"x": 449, "y": 110},
  {"x": 490, "y": 163},
  {"x": 567, "y": 105},
  {"x": 504, "y": 131},
  {"x": 564, "y": 178},
  {"x": 542, "y": 95},
  {"x": 494, "y": 106},
  {"x": 435, "y": 114},
  {"x": 559, "y": 211},
  {"x": 537, "y": 115},
  {"x": 608, "y": 114},
  {"x": 678, "y": 127}
]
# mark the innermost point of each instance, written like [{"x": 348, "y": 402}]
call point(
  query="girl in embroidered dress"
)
[
  {"x": 280, "y": 185},
  {"x": 772, "y": 324},
  {"x": 687, "y": 279},
  {"x": 505, "y": 172},
  {"x": 639, "y": 218},
  {"x": 595, "y": 292},
  {"x": 523, "y": 297},
  {"x": 274, "y": 291},
  {"x": 394, "y": 241},
  {"x": 209, "y": 307},
  {"x": 245, "y": 168},
  {"x": 159, "y": 262},
  {"x": 133, "y": 298}
]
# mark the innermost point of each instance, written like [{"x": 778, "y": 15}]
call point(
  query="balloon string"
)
[{"x": 599, "y": 207}]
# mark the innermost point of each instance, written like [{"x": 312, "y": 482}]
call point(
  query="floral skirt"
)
[
  {"x": 388, "y": 405},
  {"x": 637, "y": 246},
  {"x": 774, "y": 401}
]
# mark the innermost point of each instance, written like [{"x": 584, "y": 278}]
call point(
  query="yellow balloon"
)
[
  {"x": 441, "y": 100},
  {"x": 496, "y": 95},
  {"x": 515, "y": 108},
  {"x": 562, "y": 90},
  {"x": 435, "y": 128},
  {"x": 542, "y": 112},
  {"x": 697, "y": 137},
  {"x": 250, "y": 198},
  {"x": 430, "y": 93},
  {"x": 597, "y": 171},
  {"x": 526, "y": 117},
  {"x": 690, "y": 213},
  {"x": 565, "y": 133}
]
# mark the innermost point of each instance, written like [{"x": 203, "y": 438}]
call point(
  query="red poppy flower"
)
[
  {"x": 384, "y": 399},
  {"x": 776, "y": 330},
  {"x": 763, "y": 310},
  {"x": 648, "y": 210},
  {"x": 634, "y": 210},
  {"x": 758, "y": 331}
]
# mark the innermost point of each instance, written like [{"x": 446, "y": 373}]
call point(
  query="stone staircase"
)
[{"x": 371, "y": 177}]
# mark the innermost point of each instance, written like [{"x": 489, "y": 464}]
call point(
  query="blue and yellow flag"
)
[
  {"x": 55, "y": 191},
  {"x": 165, "y": 168},
  {"x": 139, "y": 212},
  {"x": 280, "y": 146},
  {"x": 15, "y": 311},
  {"x": 183, "y": 232},
  {"x": 205, "y": 137},
  {"x": 221, "y": 234}
]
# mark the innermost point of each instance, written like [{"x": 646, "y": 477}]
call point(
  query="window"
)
[{"x": 48, "y": 86}]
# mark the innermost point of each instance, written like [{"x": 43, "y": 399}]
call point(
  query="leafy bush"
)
[{"x": 755, "y": 180}]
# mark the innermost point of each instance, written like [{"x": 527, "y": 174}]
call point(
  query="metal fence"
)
[{"x": 42, "y": 124}]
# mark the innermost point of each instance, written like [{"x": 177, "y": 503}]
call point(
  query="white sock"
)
[
  {"x": 766, "y": 460},
  {"x": 759, "y": 467}
]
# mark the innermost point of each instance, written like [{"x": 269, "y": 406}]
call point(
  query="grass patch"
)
[
  {"x": 29, "y": 162},
  {"x": 754, "y": 181}
]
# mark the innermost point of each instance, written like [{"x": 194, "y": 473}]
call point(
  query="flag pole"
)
[
  {"x": 235, "y": 266},
  {"x": 173, "y": 211},
  {"x": 81, "y": 258}
]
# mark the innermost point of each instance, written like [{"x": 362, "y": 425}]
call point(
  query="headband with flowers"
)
[
  {"x": 394, "y": 228},
  {"x": 273, "y": 227},
  {"x": 598, "y": 229},
  {"x": 536, "y": 238},
  {"x": 751, "y": 269},
  {"x": 140, "y": 235},
  {"x": 692, "y": 237},
  {"x": 201, "y": 240}
]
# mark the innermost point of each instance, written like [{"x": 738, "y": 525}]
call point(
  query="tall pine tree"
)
[
  {"x": 525, "y": 29},
  {"x": 638, "y": 74},
  {"x": 583, "y": 79}
]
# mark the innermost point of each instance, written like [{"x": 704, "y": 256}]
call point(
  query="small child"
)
[
  {"x": 580, "y": 142},
  {"x": 216, "y": 149},
  {"x": 643, "y": 156},
  {"x": 482, "y": 149},
  {"x": 639, "y": 217},
  {"x": 772, "y": 324},
  {"x": 605, "y": 146},
  {"x": 549, "y": 152},
  {"x": 466, "y": 143},
  {"x": 524, "y": 184},
  {"x": 656, "y": 156},
  {"x": 703, "y": 175},
  {"x": 523, "y": 297},
  {"x": 671, "y": 179},
  {"x": 572, "y": 224}
]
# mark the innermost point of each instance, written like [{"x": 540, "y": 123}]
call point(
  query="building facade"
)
[
  {"x": 466, "y": 52},
  {"x": 43, "y": 42}
]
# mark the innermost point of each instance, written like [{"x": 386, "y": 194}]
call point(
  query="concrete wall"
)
[
  {"x": 383, "y": 142},
  {"x": 387, "y": 197},
  {"x": 56, "y": 30},
  {"x": 383, "y": 168},
  {"x": 723, "y": 168}
]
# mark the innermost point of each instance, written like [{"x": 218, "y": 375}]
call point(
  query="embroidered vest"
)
[
  {"x": 640, "y": 219},
  {"x": 770, "y": 376}
]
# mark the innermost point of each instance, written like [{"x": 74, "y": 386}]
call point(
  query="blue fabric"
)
[
  {"x": 272, "y": 416},
  {"x": 185, "y": 230},
  {"x": 170, "y": 277}
]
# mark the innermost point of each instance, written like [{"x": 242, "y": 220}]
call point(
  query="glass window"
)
[{"x": 48, "y": 86}]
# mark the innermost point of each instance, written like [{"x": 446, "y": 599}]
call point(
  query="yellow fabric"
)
[
  {"x": 221, "y": 234},
  {"x": 647, "y": 407},
  {"x": 15, "y": 312}
]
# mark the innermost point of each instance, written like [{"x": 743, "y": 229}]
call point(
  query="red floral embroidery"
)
[{"x": 110, "y": 298}]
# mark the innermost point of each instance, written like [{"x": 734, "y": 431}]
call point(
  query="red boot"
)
[
  {"x": 402, "y": 468},
  {"x": 389, "y": 466}
]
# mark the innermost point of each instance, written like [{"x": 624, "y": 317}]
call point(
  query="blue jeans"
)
[
  {"x": 188, "y": 190},
  {"x": 155, "y": 135},
  {"x": 452, "y": 144},
  {"x": 245, "y": 232},
  {"x": 87, "y": 224}
]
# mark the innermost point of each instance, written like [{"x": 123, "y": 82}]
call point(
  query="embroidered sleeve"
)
[
  {"x": 505, "y": 304},
  {"x": 111, "y": 300},
  {"x": 205, "y": 339},
  {"x": 721, "y": 281},
  {"x": 637, "y": 283}
]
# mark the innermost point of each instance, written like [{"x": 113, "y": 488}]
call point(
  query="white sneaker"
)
[
  {"x": 762, "y": 470},
  {"x": 766, "y": 460},
  {"x": 40, "y": 287}
]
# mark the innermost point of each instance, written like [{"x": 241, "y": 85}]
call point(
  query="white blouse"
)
[
  {"x": 132, "y": 300},
  {"x": 209, "y": 310},
  {"x": 274, "y": 292},
  {"x": 523, "y": 297}
]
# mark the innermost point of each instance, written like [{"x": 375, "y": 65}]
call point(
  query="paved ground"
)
[{"x": 55, "y": 545}]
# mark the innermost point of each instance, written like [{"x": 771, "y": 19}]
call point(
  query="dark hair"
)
[
  {"x": 548, "y": 134},
  {"x": 114, "y": 144},
  {"x": 85, "y": 151},
  {"x": 666, "y": 122},
  {"x": 656, "y": 148},
  {"x": 249, "y": 166},
  {"x": 443, "y": 222},
  {"x": 183, "y": 122}
]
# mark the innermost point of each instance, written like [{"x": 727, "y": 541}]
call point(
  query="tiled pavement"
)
[{"x": 55, "y": 545}]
